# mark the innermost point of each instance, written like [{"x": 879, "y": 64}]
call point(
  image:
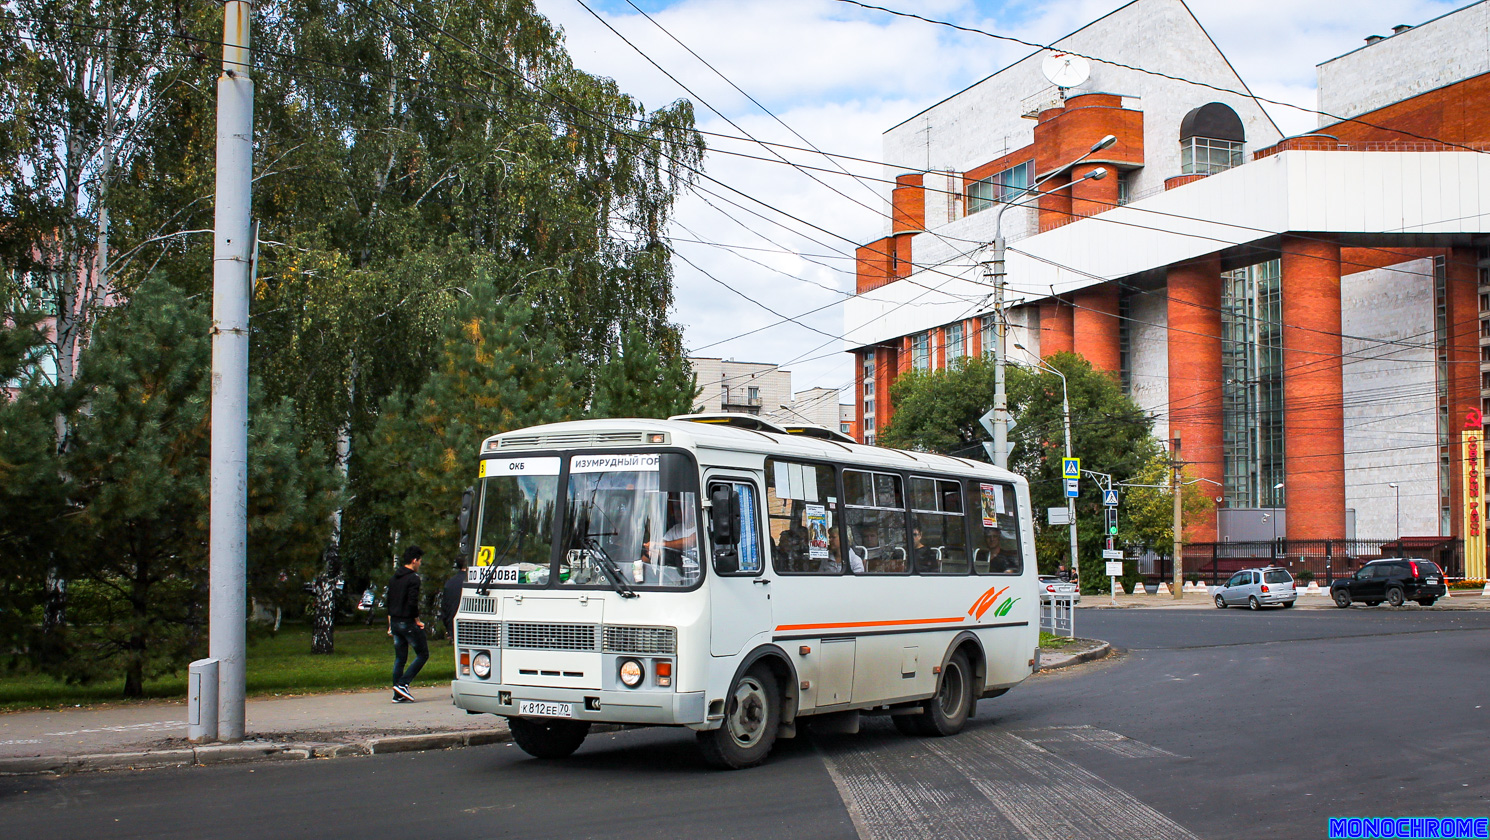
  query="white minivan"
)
[{"x": 1257, "y": 588}]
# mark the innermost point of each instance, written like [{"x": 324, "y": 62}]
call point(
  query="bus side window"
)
[
  {"x": 995, "y": 526},
  {"x": 938, "y": 532},
  {"x": 741, "y": 552},
  {"x": 802, "y": 518},
  {"x": 874, "y": 512}
]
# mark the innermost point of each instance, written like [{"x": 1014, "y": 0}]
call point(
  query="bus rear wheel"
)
[
  {"x": 752, "y": 717},
  {"x": 548, "y": 737},
  {"x": 948, "y": 711}
]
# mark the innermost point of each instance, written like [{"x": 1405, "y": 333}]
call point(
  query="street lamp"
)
[
  {"x": 1396, "y": 490},
  {"x": 1276, "y": 488},
  {"x": 1066, "y": 421},
  {"x": 994, "y": 270}
]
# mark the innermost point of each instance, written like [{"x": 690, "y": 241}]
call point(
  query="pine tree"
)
[
  {"x": 139, "y": 467},
  {"x": 497, "y": 372},
  {"x": 638, "y": 381}
]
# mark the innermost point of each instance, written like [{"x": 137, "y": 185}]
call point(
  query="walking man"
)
[{"x": 404, "y": 624}]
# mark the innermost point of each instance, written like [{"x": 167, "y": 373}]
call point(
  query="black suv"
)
[{"x": 1393, "y": 581}]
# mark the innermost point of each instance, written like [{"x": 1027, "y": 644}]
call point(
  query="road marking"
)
[
  {"x": 991, "y": 784},
  {"x": 1090, "y": 736},
  {"x": 905, "y": 793},
  {"x": 153, "y": 726}
]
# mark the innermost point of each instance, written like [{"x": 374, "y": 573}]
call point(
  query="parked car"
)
[
  {"x": 1050, "y": 584},
  {"x": 1257, "y": 588},
  {"x": 1394, "y": 581}
]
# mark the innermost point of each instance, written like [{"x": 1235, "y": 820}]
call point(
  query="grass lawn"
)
[
  {"x": 1050, "y": 641},
  {"x": 281, "y": 664}
]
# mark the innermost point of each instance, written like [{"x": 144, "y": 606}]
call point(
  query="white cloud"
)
[{"x": 840, "y": 76}]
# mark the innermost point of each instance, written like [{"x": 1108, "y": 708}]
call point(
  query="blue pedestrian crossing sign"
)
[
  {"x": 1071, "y": 468},
  {"x": 1109, "y": 498},
  {"x": 1072, "y": 489}
]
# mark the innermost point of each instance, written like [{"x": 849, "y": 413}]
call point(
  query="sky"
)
[{"x": 828, "y": 75}]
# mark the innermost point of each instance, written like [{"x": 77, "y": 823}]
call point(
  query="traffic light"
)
[{"x": 1111, "y": 521}]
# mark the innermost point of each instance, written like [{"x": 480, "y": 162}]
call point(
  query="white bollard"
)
[
  {"x": 1164, "y": 588},
  {"x": 1486, "y": 592},
  {"x": 201, "y": 701},
  {"x": 1313, "y": 589}
]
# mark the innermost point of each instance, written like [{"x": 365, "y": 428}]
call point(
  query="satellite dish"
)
[{"x": 1065, "y": 70}]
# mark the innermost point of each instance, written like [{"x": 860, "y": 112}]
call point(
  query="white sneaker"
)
[{"x": 403, "y": 693}]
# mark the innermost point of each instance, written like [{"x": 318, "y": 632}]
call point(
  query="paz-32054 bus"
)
[{"x": 736, "y": 580}]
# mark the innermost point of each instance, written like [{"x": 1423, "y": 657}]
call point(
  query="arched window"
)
[{"x": 1211, "y": 140}]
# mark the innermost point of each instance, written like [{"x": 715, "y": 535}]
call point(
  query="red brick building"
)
[{"x": 1303, "y": 313}]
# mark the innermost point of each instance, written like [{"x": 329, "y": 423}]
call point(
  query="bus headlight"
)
[
  {"x": 481, "y": 665},
  {"x": 632, "y": 673}
]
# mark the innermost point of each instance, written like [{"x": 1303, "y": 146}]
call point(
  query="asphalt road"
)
[{"x": 1212, "y": 724}]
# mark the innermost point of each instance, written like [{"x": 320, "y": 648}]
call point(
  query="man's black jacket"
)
[{"x": 403, "y": 594}]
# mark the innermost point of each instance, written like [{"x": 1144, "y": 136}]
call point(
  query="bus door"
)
[{"x": 739, "y": 593}]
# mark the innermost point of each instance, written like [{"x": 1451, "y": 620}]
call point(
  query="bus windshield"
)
[
  {"x": 633, "y": 515},
  {"x": 513, "y": 542}
]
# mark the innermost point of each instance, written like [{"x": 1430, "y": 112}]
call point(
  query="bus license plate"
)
[{"x": 540, "y": 708}]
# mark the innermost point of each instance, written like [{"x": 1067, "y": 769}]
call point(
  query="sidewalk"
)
[
  {"x": 279, "y": 728},
  {"x": 311, "y": 726},
  {"x": 1470, "y": 600}
]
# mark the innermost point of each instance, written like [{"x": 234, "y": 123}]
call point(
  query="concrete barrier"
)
[
  {"x": 1163, "y": 588},
  {"x": 1313, "y": 589}
]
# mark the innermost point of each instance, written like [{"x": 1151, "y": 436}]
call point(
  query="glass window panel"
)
[
  {"x": 923, "y": 494},
  {"x": 876, "y": 540},
  {"x": 939, "y": 544},
  {"x": 995, "y": 529},
  {"x": 633, "y": 514},
  {"x": 802, "y": 527}
]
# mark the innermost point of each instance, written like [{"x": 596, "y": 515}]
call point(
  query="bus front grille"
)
[
  {"x": 645, "y": 640},
  {"x": 479, "y": 604},
  {"x": 568, "y": 440},
  {"x": 470, "y": 633},
  {"x": 535, "y": 636}
]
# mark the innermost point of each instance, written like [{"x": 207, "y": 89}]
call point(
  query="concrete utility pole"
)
[
  {"x": 995, "y": 273},
  {"x": 231, "y": 254},
  {"x": 1176, "y": 486}
]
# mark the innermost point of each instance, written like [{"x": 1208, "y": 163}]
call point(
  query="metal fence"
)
[
  {"x": 1323, "y": 560},
  {"x": 1057, "y": 614}
]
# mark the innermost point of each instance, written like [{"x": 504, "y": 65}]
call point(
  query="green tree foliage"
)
[
  {"x": 138, "y": 471},
  {"x": 938, "y": 411},
  {"x": 32, "y": 493},
  {"x": 1148, "y": 511},
  {"x": 639, "y": 380},
  {"x": 497, "y": 372},
  {"x": 405, "y": 154}
]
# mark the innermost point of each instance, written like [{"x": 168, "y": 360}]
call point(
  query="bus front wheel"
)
[
  {"x": 752, "y": 716},
  {"x": 948, "y": 711},
  {"x": 548, "y": 737}
]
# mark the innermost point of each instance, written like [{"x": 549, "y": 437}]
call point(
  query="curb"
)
[
  {"x": 1095, "y": 653},
  {"x": 260, "y": 751}
]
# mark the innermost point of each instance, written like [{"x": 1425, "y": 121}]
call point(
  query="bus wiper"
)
[
  {"x": 609, "y": 567},
  {"x": 484, "y": 587}
]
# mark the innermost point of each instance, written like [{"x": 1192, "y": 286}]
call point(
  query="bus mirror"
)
[
  {"x": 724, "y": 514},
  {"x": 464, "y": 520}
]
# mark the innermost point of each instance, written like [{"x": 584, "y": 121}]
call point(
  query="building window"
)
[
  {"x": 1125, "y": 187},
  {"x": 869, "y": 397},
  {"x": 1207, "y": 156},
  {"x": 1211, "y": 140},
  {"x": 1006, "y": 186},
  {"x": 1252, "y": 385},
  {"x": 955, "y": 349},
  {"x": 989, "y": 337},
  {"x": 921, "y": 351},
  {"x": 753, "y": 394}
]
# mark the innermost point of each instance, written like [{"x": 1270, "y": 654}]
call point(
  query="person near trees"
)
[
  {"x": 404, "y": 624},
  {"x": 450, "y": 598}
]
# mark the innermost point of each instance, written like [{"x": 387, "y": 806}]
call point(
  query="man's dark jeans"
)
[{"x": 405, "y": 633}]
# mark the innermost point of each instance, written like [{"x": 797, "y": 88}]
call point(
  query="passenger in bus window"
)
[{"x": 927, "y": 562}]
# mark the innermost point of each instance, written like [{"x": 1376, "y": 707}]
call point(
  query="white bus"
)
[{"x": 721, "y": 574}]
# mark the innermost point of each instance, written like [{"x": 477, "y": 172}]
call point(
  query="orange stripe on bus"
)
[{"x": 847, "y": 624}]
